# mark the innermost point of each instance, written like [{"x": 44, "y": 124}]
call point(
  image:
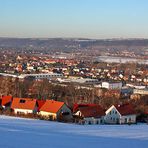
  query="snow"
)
[{"x": 29, "y": 133}]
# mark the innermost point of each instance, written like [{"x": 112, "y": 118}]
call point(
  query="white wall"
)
[
  {"x": 92, "y": 120},
  {"x": 141, "y": 91},
  {"x": 78, "y": 113},
  {"x": 115, "y": 85},
  {"x": 112, "y": 116},
  {"x": 105, "y": 85},
  {"x": 24, "y": 111},
  {"x": 128, "y": 119},
  {"x": 47, "y": 114},
  {"x": 64, "y": 108}
]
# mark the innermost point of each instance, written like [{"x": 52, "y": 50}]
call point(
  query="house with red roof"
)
[
  {"x": 120, "y": 114},
  {"x": 77, "y": 106},
  {"x": 40, "y": 103},
  {"x": 55, "y": 110},
  {"x": 24, "y": 106},
  {"x": 5, "y": 101},
  {"x": 88, "y": 114}
]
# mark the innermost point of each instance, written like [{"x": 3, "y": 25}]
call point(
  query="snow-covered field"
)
[{"x": 27, "y": 133}]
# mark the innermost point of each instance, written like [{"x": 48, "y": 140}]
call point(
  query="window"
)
[
  {"x": 111, "y": 118},
  {"x": 115, "y": 112},
  {"x": 22, "y": 101},
  {"x": 89, "y": 122},
  {"x": 110, "y": 113},
  {"x": 51, "y": 117},
  {"x": 125, "y": 120},
  {"x": 20, "y": 113},
  {"x": 65, "y": 113},
  {"x": 117, "y": 120},
  {"x": 79, "y": 114}
]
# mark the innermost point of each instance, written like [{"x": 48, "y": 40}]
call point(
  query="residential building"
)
[
  {"x": 42, "y": 76},
  {"x": 5, "y": 101},
  {"x": 55, "y": 110},
  {"x": 112, "y": 85},
  {"x": 141, "y": 91},
  {"x": 89, "y": 114},
  {"x": 120, "y": 114},
  {"x": 24, "y": 106}
]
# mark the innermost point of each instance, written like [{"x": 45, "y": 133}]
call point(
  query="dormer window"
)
[{"x": 22, "y": 101}]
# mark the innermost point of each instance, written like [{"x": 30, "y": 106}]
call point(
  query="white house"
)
[
  {"x": 141, "y": 91},
  {"x": 49, "y": 76},
  {"x": 79, "y": 80},
  {"x": 55, "y": 110},
  {"x": 24, "y": 106},
  {"x": 112, "y": 85},
  {"x": 89, "y": 114},
  {"x": 120, "y": 114}
]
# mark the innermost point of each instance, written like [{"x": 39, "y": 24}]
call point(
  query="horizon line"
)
[{"x": 114, "y": 38}]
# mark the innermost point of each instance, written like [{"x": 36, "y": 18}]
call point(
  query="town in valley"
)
[
  {"x": 73, "y": 73},
  {"x": 80, "y": 81}
]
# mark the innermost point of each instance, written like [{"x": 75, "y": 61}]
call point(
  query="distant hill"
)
[{"x": 65, "y": 43}]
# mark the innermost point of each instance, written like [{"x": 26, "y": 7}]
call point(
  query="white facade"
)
[
  {"x": 42, "y": 75},
  {"x": 113, "y": 116},
  {"x": 128, "y": 119},
  {"x": 141, "y": 91},
  {"x": 79, "y": 80},
  {"x": 24, "y": 111},
  {"x": 112, "y": 85},
  {"x": 47, "y": 114},
  {"x": 36, "y": 76},
  {"x": 8, "y": 75},
  {"x": 56, "y": 115},
  {"x": 90, "y": 120}
]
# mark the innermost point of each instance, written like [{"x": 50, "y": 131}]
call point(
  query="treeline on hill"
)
[
  {"x": 68, "y": 93},
  {"x": 62, "y": 43}
]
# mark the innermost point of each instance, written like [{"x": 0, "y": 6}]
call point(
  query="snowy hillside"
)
[{"x": 27, "y": 133}]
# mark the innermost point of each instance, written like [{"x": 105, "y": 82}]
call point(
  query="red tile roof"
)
[
  {"x": 125, "y": 109},
  {"x": 90, "y": 110},
  {"x": 23, "y": 103},
  {"x": 40, "y": 103},
  {"x": 77, "y": 106},
  {"x": 5, "y": 100},
  {"x": 52, "y": 106}
]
